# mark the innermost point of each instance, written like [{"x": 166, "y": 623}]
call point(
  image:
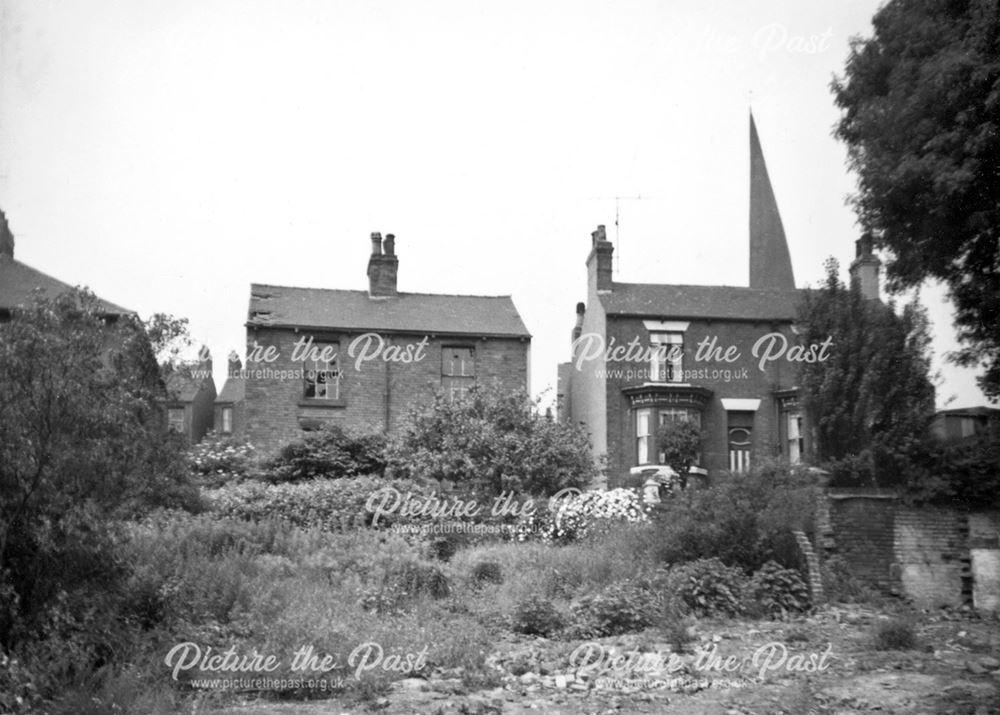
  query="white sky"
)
[{"x": 168, "y": 153}]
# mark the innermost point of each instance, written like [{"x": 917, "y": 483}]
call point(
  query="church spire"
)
[{"x": 770, "y": 263}]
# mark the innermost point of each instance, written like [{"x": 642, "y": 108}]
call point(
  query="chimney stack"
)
[
  {"x": 205, "y": 359},
  {"x": 865, "y": 268},
  {"x": 6, "y": 238},
  {"x": 235, "y": 365},
  {"x": 599, "y": 263},
  {"x": 581, "y": 308},
  {"x": 382, "y": 266}
]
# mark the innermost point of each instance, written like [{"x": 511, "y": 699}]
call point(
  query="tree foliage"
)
[
  {"x": 680, "y": 443},
  {"x": 82, "y": 441},
  {"x": 874, "y": 391},
  {"x": 920, "y": 103},
  {"x": 493, "y": 441}
]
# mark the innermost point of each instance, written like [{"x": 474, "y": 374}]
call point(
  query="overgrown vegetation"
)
[{"x": 489, "y": 441}]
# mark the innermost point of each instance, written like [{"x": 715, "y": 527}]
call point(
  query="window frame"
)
[
  {"x": 455, "y": 384},
  {"x": 667, "y": 367},
  {"x": 313, "y": 367},
  {"x": 171, "y": 426},
  {"x": 644, "y": 442},
  {"x": 794, "y": 438},
  {"x": 227, "y": 420}
]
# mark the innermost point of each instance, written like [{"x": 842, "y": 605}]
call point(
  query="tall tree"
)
[
  {"x": 920, "y": 103},
  {"x": 82, "y": 442},
  {"x": 873, "y": 392}
]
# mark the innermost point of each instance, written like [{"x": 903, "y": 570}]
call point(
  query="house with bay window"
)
[
  {"x": 646, "y": 355},
  {"x": 360, "y": 359}
]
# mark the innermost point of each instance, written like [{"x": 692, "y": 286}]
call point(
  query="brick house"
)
[
  {"x": 19, "y": 281},
  {"x": 230, "y": 405},
  {"x": 647, "y": 354},
  {"x": 362, "y": 359},
  {"x": 190, "y": 398}
]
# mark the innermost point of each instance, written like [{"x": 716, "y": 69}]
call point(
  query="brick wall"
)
[
  {"x": 375, "y": 395},
  {"x": 932, "y": 556},
  {"x": 863, "y": 535}
]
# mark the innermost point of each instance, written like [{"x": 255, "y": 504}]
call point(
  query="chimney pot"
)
[
  {"x": 376, "y": 243},
  {"x": 581, "y": 308},
  {"x": 390, "y": 244}
]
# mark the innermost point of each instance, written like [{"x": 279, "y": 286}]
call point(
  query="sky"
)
[{"x": 169, "y": 153}]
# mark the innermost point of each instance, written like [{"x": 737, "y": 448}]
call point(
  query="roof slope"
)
[
  {"x": 690, "y": 301},
  {"x": 233, "y": 390},
  {"x": 281, "y": 306},
  {"x": 17, "y": 281},
  {"x": 183, "y": 385}
]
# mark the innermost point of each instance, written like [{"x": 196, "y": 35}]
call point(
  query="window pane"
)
[
  {"x": 667, "y": 361},
  {"x": 227, "y": 419},
  {"x": 458, "y": 362},
  {"x": 322, "y": 374}
]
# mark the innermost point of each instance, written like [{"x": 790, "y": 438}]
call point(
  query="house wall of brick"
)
[
  {"x": 203, "y": 411},
  {"x": 742, "y": 378},
  {"x": 376, "y": 395},
  {"x": 239, "y": 417}
]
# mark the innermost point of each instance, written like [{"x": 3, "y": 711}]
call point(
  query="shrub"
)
[
  {"x": 777, "y": 591},
  {"x": 18, "y": 692},
  {"x": 743, "y": 520},
  {"x": 622, "y": 607},
  {"x": 492, "y": 441},
  {"x": 588, "y": 513},
  {"x": 894, "y": 634},
  {"x": 330, "y": 452},
  {"x": 708, "y": 587},
  {"x": 328, "y": 504},
  {"x": 218, "y": 459},
  {"x": 535, "y": 616},
  {"x": 487, "y": 572}
]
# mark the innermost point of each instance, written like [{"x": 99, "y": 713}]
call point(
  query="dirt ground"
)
[{"x": 821, "y": 663}]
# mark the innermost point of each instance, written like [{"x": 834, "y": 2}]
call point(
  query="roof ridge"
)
[
  {"x": 398, "y": 293},
  {"x": 702, "y": 285}
]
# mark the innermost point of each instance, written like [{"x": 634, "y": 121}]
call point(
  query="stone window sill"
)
[{"x": 331, "y": 404}]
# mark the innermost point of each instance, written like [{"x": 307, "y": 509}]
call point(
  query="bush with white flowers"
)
[
  {"x": 585, "y": 513},
  {"x": 219, "y": 459}
]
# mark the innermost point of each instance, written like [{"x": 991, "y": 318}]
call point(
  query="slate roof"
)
[
  {"x": 18, "y": 280},
  {"x": 355, "y": 310},
  {"x": 233, "y": 390},
  {"x": 692, "y": 301},
  {"x": 182, "y": 386}
]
